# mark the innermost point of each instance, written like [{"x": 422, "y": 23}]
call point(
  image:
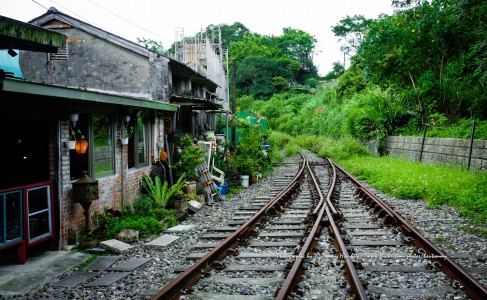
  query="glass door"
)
[
  {"x": 39, "y": 214},
  {"x": 10, "y": 217}
]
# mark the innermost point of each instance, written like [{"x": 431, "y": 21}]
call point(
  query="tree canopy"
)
[{"x": 431, "y": 52}]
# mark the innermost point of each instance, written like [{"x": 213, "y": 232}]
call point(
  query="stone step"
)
[
  {"x": 75, "y": 279},
  {"x": 108, "y": 279},
  {"x": 101, "y": 263},
  {"x": 131, "y": 264}
]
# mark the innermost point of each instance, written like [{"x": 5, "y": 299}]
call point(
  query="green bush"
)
[
  {"x": 143, "y": 205},
  {"x": 146, "y": 226},
  {"x": 249, "y": 158},
  {"x": 191, "y": 156}
]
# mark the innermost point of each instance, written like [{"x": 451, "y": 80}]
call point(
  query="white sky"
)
[{"x": 158, "y": 20}]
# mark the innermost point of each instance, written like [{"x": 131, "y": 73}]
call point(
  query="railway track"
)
[{"x": 318, "y": 234}]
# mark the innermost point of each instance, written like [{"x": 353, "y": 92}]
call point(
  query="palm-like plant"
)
[{"x": 162, "y": 193}]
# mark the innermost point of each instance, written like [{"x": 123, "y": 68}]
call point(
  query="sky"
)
[{"x": 160, "y": 20}]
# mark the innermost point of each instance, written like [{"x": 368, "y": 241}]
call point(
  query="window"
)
[
  {"x": 62, "y": 54},
  {"x": 138, "y": 150},
  {"x": 99, "y": 159},
  {"x": 79, "y": 162},
  {"x": 39, "y": 212},
  {"x": 10, "y": 217},
  {"x": 103, "y": 150}
]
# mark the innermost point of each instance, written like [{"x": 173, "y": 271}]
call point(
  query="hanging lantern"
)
[{"x": 81, "y": 146}]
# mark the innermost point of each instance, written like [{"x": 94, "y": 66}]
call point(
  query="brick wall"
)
[
  {"x": 443, "y": 151},
  {"x": 109, "y": 190}
]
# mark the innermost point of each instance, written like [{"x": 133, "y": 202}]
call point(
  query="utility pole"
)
[{"x": 234, "y": 100}]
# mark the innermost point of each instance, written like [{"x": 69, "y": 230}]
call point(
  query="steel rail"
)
[
  {"x": 293, "y": 276},
  {"x": 452, "y": 269},
  {"x": 194, "y": 273},
  {"x": 328, "y": 198}
]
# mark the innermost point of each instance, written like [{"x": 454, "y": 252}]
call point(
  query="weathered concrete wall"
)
[
  {"x": 92, "y": 63},
  {"x": 444, "y": 151}
]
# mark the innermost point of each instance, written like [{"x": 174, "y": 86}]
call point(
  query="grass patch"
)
[
  {"x": 474, "y": 230},
  {"x": 437, "y": 185},
  {"x": 88, "y": 261}
]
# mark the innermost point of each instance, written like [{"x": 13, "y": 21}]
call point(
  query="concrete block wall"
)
[{"x": 442, "y": 151}]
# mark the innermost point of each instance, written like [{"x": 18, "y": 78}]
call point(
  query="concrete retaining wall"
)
[{"x": 443, "y": 151}]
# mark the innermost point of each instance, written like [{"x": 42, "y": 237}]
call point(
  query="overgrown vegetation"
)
[
  {"x": 109, "y": 223},
  {"x": 438, "y": 185},
  {"x": 425, "y": 65},
  {"x": 147, "y": 214}
]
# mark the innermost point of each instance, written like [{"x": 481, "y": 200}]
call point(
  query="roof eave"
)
[{"x": 61, "y": 92}]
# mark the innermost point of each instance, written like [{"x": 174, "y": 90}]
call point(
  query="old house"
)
[{"x": 96, "y": 86}]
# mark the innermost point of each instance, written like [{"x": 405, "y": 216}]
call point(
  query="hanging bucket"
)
[{"x": 245, "y": 180}]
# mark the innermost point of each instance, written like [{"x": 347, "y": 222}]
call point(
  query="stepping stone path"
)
[
  {"x": 103, "y": 265},
  {"x": 107, "y": 271}
]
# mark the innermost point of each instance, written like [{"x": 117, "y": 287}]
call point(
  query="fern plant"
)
[{"x": 162, "y": 193}]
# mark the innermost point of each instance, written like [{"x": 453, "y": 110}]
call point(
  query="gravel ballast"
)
[{"x": 439, "y": 225}]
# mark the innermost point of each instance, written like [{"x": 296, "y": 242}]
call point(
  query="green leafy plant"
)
[
  {"x": 162, "y": 193},
  {"x": 191, "y": 156},
  {"x": 249, "y": 158},
  {"x": 144, "y": 205},
  {"x": 128, "y": 132}
]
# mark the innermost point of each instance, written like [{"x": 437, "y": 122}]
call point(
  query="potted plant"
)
[
  {"x": 71, "y": 142},
  {"x": 126, "y": 134},
  {"x": 191, "y": 156}
]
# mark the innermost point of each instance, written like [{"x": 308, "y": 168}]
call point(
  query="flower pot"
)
[
  {"x": 190, "y": 187},
  {"x": 124, "y": 141},
  {"x": 81, "y": 146},
  {"x": 70, "y": 145}
]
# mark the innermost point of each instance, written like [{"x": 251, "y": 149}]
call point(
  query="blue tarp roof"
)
[{"x": 10, "y": 65}]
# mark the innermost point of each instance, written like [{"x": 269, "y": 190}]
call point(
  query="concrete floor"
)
[{"x": 40, "y": 268}]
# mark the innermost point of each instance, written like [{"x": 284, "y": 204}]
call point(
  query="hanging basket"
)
[
  {"x": 124, "y": 141},
  {"x": 81, "y": 146},
  {"x": 70, "y": 145}
]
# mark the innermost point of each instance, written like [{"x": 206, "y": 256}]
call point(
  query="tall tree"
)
[
  {"x": 351, "y": 32},
  {"x": 229, "y": 33},
  {"x": 299, "y": 45}
]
